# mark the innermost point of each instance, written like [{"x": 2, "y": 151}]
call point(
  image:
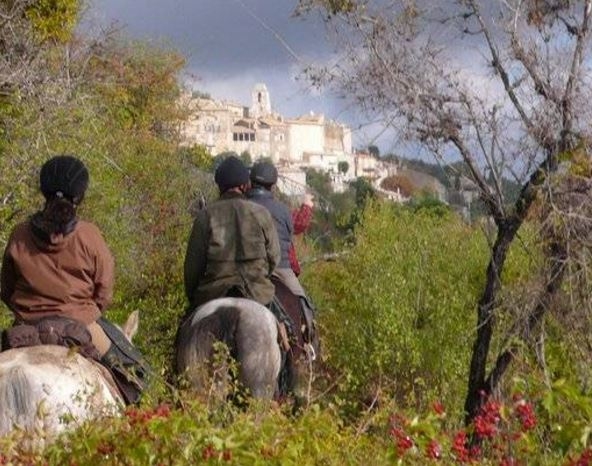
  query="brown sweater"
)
[{"x": 69, "y": 275}]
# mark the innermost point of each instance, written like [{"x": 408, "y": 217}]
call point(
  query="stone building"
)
[{"x": 225, "y": 126}]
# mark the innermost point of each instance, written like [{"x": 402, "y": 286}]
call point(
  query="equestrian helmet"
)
[
  {"x": 264, "y": 173},
  {"x": 231, "y": 173},
  {"x": 64, "y": 176}
]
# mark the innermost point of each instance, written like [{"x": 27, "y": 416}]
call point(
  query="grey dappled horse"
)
[
  {"x": 251, "y": 334},
  {"x": 48, "y": 389}
]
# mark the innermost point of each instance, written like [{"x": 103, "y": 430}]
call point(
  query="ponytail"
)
[{"x": 59, "y": 215}]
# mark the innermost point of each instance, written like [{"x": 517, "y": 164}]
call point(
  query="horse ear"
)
[{"x": 130, "y": 328}]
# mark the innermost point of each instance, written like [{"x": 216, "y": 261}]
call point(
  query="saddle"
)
[
  {"x": 61, "y": 331},
  {"x": 296, "y": 312}
]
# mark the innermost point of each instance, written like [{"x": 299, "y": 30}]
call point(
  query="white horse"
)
[
  {"x": 248, "y": 329},
  {"x": 48, "y": 389}
]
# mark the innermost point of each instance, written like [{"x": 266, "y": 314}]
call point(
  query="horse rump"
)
[
  {"x": 249, "y": 332},
  {"x": 49, "y": 388}
]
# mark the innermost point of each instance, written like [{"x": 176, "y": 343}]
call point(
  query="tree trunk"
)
[
  {"x": 486, "y": 318},
  {"x": 557, "y": 272}
]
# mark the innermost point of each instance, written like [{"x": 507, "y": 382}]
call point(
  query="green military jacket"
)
[{"x": 233, "y": 243}]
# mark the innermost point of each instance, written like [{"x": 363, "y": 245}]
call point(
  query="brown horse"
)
[{"x": 297, "y": 371}]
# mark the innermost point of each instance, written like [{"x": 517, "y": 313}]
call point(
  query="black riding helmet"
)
[
  {"x": 231, "y": 173},
  {"x": 64, "y": 175},
  {"x": 264, "y": 173}
]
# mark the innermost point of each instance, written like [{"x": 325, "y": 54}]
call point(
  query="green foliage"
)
[
  {"x": 197, "y": 155},
  {"x": 337, "y": 213},
  {"x": 397, "y": 300},
  {"x": 363, "y": 191},
  {"x": 54, "y": 20},
  {"x": 568, "y": 410},
  {"x": 245, "y": 156},
  {"x": 193, "y": 436},
  {"x": 140, "y": 85},
  {"x": 430, "y": 203},
  {"x": 320, "y": 182},
  {"x": 397, "y": 313},
  {"x": 374, "y": 151},
  {"x": 343, "y": 166}
]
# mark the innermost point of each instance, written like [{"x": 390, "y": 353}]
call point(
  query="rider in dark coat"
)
[
  {"x": 264, "y": 176},
  {"x": 233, "y": 247}
]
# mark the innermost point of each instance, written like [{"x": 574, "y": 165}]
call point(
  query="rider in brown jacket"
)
[
  {"x": 233, "y": 247},
  {"x": 56, "y": 265},
  {"x": 67, "y": 273}
]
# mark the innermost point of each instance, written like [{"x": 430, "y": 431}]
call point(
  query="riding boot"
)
[
  {"x": 280, "y": 314},
  {"x": 130, "y": 370},
  {"x": 129, "y": 376}
]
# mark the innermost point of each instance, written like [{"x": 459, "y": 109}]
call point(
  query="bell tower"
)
[{"x": 260, "y": 102}]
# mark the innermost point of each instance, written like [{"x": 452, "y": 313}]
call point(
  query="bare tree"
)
[{"x": 504, "y": 86}]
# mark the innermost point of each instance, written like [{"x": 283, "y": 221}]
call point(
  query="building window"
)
[
  {"x": 234, "y": 136},
  {"x": 259, "y": 97},
  {"x": 252, "y": 137}
]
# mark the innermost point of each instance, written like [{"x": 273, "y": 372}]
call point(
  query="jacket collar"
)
[
  {"x": 231, "y": 195},
  {"x": 258, "y": 191}
]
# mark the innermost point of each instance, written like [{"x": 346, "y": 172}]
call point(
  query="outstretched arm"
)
[{"x": 302, "y": 216}]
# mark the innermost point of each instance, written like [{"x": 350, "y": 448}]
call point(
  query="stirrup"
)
[{"x": 310, "y": 352}]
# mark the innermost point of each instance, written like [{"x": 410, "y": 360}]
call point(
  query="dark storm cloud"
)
[
  {"x": 231, "y": 45},
  {"x": 220, "y": 35}
]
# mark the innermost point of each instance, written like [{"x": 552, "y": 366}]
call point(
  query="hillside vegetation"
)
[{"x": 396, "y": 309}]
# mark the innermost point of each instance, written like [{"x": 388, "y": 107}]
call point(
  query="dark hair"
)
[
  {"x": 59, "y": 215},
  {"x": 63, "y": 181}
]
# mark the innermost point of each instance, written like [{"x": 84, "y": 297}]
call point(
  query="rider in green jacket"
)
[{"x": 233, "y": 247}]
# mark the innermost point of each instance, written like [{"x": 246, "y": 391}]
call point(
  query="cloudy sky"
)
[{"x": 231, "y": 45}]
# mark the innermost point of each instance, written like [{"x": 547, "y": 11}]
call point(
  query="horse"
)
[
  {"x": 249, "y": 330},
  {"x": 50, "y": 388},
  {"x": 304, "y": 345}
]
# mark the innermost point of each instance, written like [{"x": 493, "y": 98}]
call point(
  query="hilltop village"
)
[
  {"x": 312, "y": 141},
  {"x": 294, "y": 144}
]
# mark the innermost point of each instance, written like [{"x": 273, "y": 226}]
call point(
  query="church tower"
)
[{"x": 261, "y": 104}]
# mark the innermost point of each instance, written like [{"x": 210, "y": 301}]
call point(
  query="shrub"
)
[{"x": 397, "y": 312}]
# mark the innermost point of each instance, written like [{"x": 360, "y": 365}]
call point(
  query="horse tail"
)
[
  {"x": 15, "y": 398},
  {"x": 248, "y": 329},
  {"x": 258, "y": 350}
]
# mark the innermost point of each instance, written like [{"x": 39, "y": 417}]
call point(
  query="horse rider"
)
[
  {"x": 233, "y": 247},
  {"x": 264, "y": 176},
  {"x": 57, "y": 269}
]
